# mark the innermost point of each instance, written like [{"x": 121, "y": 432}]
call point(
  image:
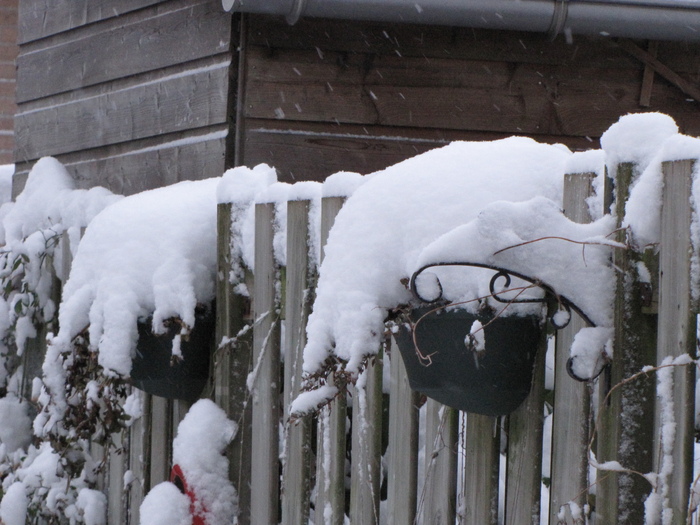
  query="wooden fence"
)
[{"x": 385, "y": 454}]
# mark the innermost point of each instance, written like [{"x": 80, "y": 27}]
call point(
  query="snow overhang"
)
[{"x": 647, "y": 19}]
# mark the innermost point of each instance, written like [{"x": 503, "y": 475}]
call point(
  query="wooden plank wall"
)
[
  {"x": 324, "y": 96},
  {"x": 8, "y": 53},
  {"x": 130, "y": 95}
]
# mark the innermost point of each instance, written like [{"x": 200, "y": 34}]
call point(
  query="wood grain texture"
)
[
  {"x": 402, "y": 462},
  {"x": 143, "y": 44},
  {"x": 189, "y": 100},
  {"x": 42, "y": 18},
  {"x": 481, "y": 444},
  {"x": 438, "y": 502},
  {"x": 676, "y": 337},
  {"x": 444, "y": 93},
  {"x": 329, "y": 506},
  {"x": 266, "y": 388},
  {"x": 524, "y": 458},
  {"x": 301, "y": 275},
  {"x": 569, "y": 466}
]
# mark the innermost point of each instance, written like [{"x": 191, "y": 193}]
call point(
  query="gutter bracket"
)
[
  {"x": 559, "y": 16},
  {"x": 297, "y": 10}
]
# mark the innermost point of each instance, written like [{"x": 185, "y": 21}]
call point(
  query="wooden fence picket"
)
[
  {"x": 481, "y": 444},
  {"x": 623, "y": 432},
  {"x": 299, "y": 289},
  {"x": 569, "y": 466},
  {"x": 402, "y": 463},
  {"x": 438, "y": 500},
  {"x": 524, "y": 457},
  {"x": 330, "y": 467},
  {"x": 676, "y": 336},
  {"x": 264, "y": 477},
  {"x": 232, "y": 360},
  {"x": 365, "y": 467}
]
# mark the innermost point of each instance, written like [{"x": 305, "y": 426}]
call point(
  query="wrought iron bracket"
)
[{"x": 555, "y": 301}]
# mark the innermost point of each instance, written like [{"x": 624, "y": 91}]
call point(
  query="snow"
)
[
  {"x": 589, "y": 350},
  {"x": 13, "y": 507},
  {"x": 6, "y": 173},
  {"x": 15, "y": 430},
  {"x": 198, "y": 448},
  {"x": 153, "y": 253},
  {"x": 165, "y": 505},
  {"x": 398, "y": 212},
  {"x": 92, "y": 504}
]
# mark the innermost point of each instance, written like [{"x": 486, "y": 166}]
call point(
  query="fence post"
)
[
  {"x": 675, "y": 411},
  {"x": 301, "y": 280},
  {"x": 231, "y": 363},
  {"x": 524, "y": 462},
  {"x": 438, "y": 501},
  {"x": 330, "y": 468},
  {"x": 570, "y": 423},
  {"x": 481, "y": 467},
  {"x": 624, "y": 433},
  {"x": 366, "y": 444},
  {"x": 264, "y": 478},
  {"x": 402, "y": 468}
]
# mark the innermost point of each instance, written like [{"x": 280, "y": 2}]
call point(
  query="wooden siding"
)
[
  {"x": 8, "y": 52},
  {"x": 132, "y": 98},
  {"x": 324, "y": 96}
]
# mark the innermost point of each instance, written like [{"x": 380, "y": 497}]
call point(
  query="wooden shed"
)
[{"x": 144, "y": 93}]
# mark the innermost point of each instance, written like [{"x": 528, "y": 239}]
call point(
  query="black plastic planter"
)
[
  {"x": 493, "y": 381},
  {"x": 153, "y": 369}
]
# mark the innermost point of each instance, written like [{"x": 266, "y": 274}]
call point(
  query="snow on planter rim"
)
[{"x": 381, "y": 231}]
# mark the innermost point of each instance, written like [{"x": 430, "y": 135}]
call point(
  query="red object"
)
[{"x": 178, "y": 479}]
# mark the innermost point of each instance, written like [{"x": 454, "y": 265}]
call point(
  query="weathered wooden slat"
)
[
  {"x": 232, "y": 363},
  {"x": 313, "y": 150},
  {"x": 570, "y": 423},
  {"x": 437, "y": 504},
  {"x": 299, "y": 293},
  {"x": 190, "y": 100},
  {"x": 160, "y": 40},
  {"x": 160, "y": 442},
  {"x": 521, "y": 108},
  {"x": 481, "y": 467},
  {"x": 330, "y": 465},
  {"x": 524, "y": 459},
  {"x": 624, "y": 432},
  {"x": 116, "y": 495},
  {"x": 402, "y": 467},
  {"x": 676, "y": 337},
  {"x": 366, "y": 468},
  {"x": 408, "y": 40},
  {"x": 42, "y": 18},
  {"x": 264, "y": 478},
  {"x": 137, "y": 450},
  {"x": 143, "y": 165}
]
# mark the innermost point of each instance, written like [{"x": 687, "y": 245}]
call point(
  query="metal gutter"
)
[{"x": 646, "y": 19}]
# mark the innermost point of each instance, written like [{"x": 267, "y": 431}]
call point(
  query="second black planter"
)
[
  {"x": 493, "y": 381},
  {"x": 155, "y": 371}
]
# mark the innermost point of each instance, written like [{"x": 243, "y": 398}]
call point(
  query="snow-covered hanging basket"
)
[
  {"x": 175, "y": 365},
  {"x": 480, "y": 361}
]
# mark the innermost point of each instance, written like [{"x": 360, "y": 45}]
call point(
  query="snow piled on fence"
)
[{"x": 379, "y": 234}]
